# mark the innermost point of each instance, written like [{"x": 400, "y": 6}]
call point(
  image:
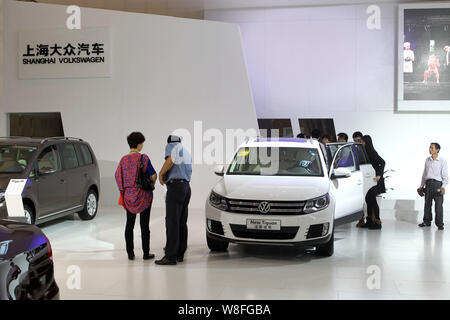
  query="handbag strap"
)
[
  {"x": 138, "y": 169},
  {"x": 141, "y": 165}
]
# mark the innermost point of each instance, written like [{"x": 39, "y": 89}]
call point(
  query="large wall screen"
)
[{"x": 424, "y": 57}]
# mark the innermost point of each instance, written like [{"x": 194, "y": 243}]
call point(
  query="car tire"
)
[
  {"x": 216, "y": 245},
  {"x": 29, "y": 214},
  {"x": 90, "y": 206},
  {"x": 326, "y": 249}
]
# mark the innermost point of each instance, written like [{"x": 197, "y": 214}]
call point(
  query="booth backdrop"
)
[{"x": 166, "y": 73}]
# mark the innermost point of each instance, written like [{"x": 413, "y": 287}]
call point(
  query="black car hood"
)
[{"x": 18, "y": 237}]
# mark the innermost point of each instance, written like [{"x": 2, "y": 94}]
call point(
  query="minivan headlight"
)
[
  {"x": 317, "y": 204},
  {"x": 2, "y": 196},
  {"x": 218, "y": 201}
]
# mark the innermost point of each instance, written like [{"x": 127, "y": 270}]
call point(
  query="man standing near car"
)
[
  {"x": 342, "y": 137},
  {"x": 357, "y": 137},
  {"x": 315, "y": 135},
  {"x": 176, "y": 175},
  {"x": 434, "y": 182}
]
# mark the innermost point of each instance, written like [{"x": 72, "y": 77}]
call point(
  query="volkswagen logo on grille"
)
[{"x": 264, "y": 207}]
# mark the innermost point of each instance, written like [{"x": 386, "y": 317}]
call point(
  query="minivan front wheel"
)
[
  {"x": 90, "y": 206},
  {"x": 29, "y": 214},
  {"x": 326, "y": 249},
  {"x": 216, "y": 245}
]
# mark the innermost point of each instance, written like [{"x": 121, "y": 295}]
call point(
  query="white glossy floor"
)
[{"x": 414, "y": 264}]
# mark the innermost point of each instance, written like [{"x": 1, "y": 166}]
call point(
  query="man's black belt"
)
[{"x": 177, "y": 180}]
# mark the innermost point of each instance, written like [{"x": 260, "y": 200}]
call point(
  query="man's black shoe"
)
[
  {"x": 149, "y": 256},
  {"x": 374, "y": 226},
  {"x": 165, "y": 262},
  {"x": 180, "y": 259},
  {"x": 423, "y": 224},
  {"x": 131, "y": 257},
  {"x": 441, "y": 228},
  {"x": 365, "y": 225}
]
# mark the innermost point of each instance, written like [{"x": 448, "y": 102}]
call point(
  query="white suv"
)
[{"x": 282, "y": 191}]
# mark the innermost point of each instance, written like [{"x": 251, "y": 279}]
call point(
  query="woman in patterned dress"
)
[{"x": 135, "y": 201}]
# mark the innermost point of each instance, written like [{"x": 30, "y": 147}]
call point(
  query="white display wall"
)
[
  {"x": 166, "y": 74},
  {"x": 324, "y": 62}
]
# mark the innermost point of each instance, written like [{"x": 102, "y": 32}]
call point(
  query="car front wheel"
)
[
  {"x": 326, "y": 249},
  {"x": 216, "y": 245},
  {"x": 90, "y": 206},
  {"x": 29, "y": 214}
]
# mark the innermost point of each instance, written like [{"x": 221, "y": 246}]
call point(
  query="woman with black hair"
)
[
  {"x": 136, "y": 201},
  {"x": 373, "y": 210}
]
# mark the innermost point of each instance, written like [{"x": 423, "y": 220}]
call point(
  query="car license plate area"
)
[{"x": 260, "y": 224}]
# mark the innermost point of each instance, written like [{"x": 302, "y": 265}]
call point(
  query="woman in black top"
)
[{"x": 373, "y": 210}]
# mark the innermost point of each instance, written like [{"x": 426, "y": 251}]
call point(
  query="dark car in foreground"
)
[
  {"x": 26, "y": 263},
  {"x": 62, "y": 177}
]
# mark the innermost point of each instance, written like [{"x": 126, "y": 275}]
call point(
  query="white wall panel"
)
[{"x": 166, "y": 74}]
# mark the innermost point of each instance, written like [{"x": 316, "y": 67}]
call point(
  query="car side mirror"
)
[
  {"x": 219, "y": 170},
  {"x": 341, "y": 173}
]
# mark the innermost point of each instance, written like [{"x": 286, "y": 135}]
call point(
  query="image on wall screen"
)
[
  {"x": 426, "y": 54},
  {"x": 268, "y": 128},
  {"x": 325, "y": 126},
  {"x": 36, "y": 125}
]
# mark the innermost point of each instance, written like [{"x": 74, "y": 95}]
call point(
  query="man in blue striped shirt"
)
[{"x": 176, "y": 175}]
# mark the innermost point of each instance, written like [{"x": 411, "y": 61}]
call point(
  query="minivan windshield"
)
[
  {"x": 276, "y": 161},
  {"x": 15, "y": 159}
]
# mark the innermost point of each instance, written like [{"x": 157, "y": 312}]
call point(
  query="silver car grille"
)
[{"x": 276, "y": 207}]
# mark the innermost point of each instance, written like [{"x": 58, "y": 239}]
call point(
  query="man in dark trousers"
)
[
  {"x": 434, "y": 182},
  {"x": 176, "y": 175}
]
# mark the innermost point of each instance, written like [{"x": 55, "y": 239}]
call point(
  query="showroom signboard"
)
[{"x": 63, "y": 53}]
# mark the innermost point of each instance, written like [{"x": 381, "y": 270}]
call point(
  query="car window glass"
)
[
  {"x": 87, "y": 157},
  {"x": 69, "y": 156},
  {"x": 344, "y": 159},
  {"x": 15, "y": 159},
  {"x": 333, "y": 147},
  {"x": 48, "y": 161},
  {"x": 361, "y": 154},
  {"x": 79, "y": 155}
]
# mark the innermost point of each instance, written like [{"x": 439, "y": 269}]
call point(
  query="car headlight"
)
[
  {"x": 218, "y": 201},
  {"x": 317, "y": 204},
  {"x": 2, "y": 196}
]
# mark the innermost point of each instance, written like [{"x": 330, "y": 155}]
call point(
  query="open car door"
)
[{"x": 347, "y": 181}]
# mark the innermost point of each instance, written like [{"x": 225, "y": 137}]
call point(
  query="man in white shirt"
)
[
  {"x": 434, "y": 182},
  {"x": 408, "y": 58},
  {"x": 447, "y": 56}
]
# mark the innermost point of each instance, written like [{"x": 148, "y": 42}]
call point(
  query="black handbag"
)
[{"x": 144, "y": 181}]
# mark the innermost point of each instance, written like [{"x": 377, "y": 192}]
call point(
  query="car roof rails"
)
[
  {"x": 249, "y": 138},
  {"x": 60, "y": 138}
]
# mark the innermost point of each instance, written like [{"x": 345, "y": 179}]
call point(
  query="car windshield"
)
[
  {"x": 276, "y": 161},
  {"x": 15, "y": 159}
]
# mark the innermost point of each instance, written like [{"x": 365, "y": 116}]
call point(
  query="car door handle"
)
[
  {"x": 359, "y": 182},
  {"x": 86, "y": 175},
  {"x": 367, "y": 175},
  {"x": 62, "y": 181}
]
